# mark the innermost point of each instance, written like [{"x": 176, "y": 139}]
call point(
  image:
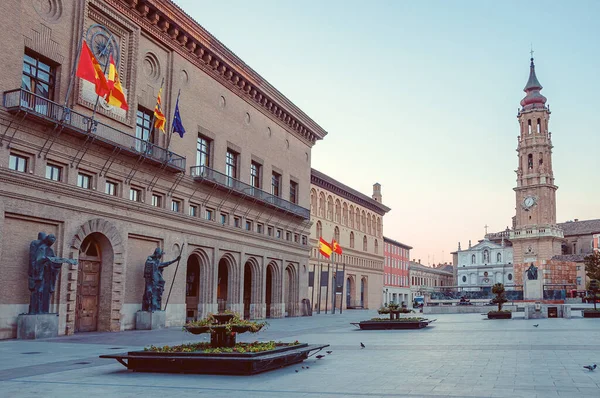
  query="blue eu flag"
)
[{"x": 177, "y": 125}]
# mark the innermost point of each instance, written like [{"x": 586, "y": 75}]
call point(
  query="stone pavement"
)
[{"x": 460, "y": 355}]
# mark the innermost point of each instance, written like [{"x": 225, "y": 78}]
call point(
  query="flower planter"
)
[
  {"x": 393, "y": 324},
  {"x": 591, "y": 314},
  {"x": 499, "y": 315}
]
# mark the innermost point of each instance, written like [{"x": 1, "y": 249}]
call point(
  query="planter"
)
[
  {"x": 591, "y": 314},
  {"x": 232, "y": 363},
  {"x": 499, "y": 315},
  {"x": 392, "y": 324}
]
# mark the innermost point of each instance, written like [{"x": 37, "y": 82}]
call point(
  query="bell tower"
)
[{"x": 536, "y": 237}]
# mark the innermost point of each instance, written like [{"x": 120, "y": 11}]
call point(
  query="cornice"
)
[{"x": 176, "y": 29}]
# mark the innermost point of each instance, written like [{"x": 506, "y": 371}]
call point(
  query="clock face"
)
[{"x": 528, "y": 202}]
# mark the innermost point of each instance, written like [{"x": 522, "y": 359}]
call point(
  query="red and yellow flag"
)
[
  {"x": 89, "y": 69},
  {"x": 324, "y": 248},
  {"x": 159, "y": 118},
  {"x": 336, "y": 247},
  {"x": 116, "y": 96}
]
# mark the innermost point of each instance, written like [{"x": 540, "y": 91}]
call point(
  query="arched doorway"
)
[
  {"x": 362, "y": 292},
  {"x": 247, "y": 289},
  {"x": 222, "y": 285},
  {"x": 269, "y": 290},
  {"x": 348, "y": 295},
  {"x": 192, "y": 288},
  {"x": 291, "y": 291}
]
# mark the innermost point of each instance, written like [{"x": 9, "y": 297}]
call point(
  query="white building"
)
[{"x": 484, "y": 264}]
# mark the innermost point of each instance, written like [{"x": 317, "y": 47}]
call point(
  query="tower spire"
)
[{"x": 533, "y": 99}]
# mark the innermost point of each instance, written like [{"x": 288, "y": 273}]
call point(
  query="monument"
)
[
  {"x": 44, "y": 268},
  {"x": 532, "y": 284},
  {"x": 151, "y": 316}
]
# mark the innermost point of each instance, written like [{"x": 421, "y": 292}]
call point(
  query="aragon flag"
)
[
  {"x": 336, "y": 247},
  {"x": 116, "y": 96},
  {"x": 89, "y": 69},
  {"x": 159, "y": 116},
  {"x": 324, "y": 248}
]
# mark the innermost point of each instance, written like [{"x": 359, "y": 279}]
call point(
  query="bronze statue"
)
[
  {"x": 532, "y": 272},
  {"x": 155, "y": 284},
  {"x": 44, "y": 268}
]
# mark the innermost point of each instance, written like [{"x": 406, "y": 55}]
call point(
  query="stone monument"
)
[
  {"x": 44, "y": 268},
  {"x": 532, "y": 284},
  {"x": 151, "y": 316}
]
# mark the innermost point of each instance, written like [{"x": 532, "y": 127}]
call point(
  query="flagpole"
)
[
  {"x": 335, "y": 285},
  {"x": 74, "y": 70},
  {"x": 327, "y": 290},
  {"x": 312, "y": 294},
  {"x": 319, "y": 293},
  {"x": 171, "y": 132},
  {"x": 343, "y": 284},
  {"x": 153, "y": 114}
]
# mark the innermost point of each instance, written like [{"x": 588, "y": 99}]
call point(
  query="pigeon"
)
[
  {"x": 362, "y": 345},
  {"x": 296, "y": 370},
  {"x": 320, "y": 356},
  {"x": 590, "y": 367},
  {"x": 303, "y": 367},
  {"x": 535, "y": 326},
  {"x": 308, "y": 367},
  {"x": 329, "y": 352}
]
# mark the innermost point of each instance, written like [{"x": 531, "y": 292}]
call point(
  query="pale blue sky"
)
[{"x": 422, "y": 97}]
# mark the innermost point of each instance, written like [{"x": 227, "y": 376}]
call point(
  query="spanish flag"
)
[
  {"x": 89, "y": 69},
  {"x": 116, "y": 96},
  {"x": 159, "y": 118},
  {"x": 336, "y": 247},
  {"x": 324, "y": 248}
]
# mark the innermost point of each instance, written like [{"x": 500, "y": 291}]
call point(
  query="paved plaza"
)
[{"x": 458, "y": 356}]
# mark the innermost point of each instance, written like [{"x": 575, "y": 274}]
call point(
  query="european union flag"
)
[{"x": 177, "y": 125}]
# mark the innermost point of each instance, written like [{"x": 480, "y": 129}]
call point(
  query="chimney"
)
[
  {"x": 469, "y": 243},
  {"x": 577, "y": 219},
  {"x": 459, "y": 246},
  {"x": 377, "y": 192},
  {"x": 419, "y": 261}
]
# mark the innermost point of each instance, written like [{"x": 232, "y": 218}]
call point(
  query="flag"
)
[
  {"x": 160, "y": 119},
  {"x": 177, "y": 125},
  {"x": 324, "y": 248},
  {"x": 90, "y": 70},
  {"x": 116, "y": 96},
  {"x": 336, "y": 247}
]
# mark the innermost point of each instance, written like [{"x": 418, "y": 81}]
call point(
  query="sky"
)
[{"x": 422, "y": 97}]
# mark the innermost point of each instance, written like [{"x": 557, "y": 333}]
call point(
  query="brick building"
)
[
  {"x": 396, "y": 283},
  {"x": 355, "y": 221},
  {"x": 232, "y": 194}
]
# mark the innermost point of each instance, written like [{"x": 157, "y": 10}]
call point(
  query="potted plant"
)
[
  {"x": 500, "y": 299},
  {"x": 593, "y": 289}
]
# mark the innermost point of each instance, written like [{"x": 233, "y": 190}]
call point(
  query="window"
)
[
  {"x": 203, "y": 151},
  {"x": 156, "y": 200},
  {"x": 231, "y": 164},
  {"x": 510, "y": 277},
  {"x": 224, "y": 218},
  {"x": 270, "y": 231},
  {"x": 279, "y": 234},
  {"x": 135, "y": 195},
  {"x": 319, "y": 229},
  {"x": 498, "y": 257},
  {"x": 143, "y": 129},
  {"x": 111, "y": 188},
  {"x": 38, "y": 76},
  {"x": 17, "y": 163},
  {"x": 365, "y": 243},
  {"x": 248, "y": 225},
  {"x": 84, "y": 181},
  {"x": 260, "y": 228},
  {"x": 237, "y": 222},
  {"x": 293, "y": 192},
  {"x": 377, "y": 247},
  {"x": 193, "y": 210},
  {"x": 304, "y": 240},
  {"x": 275, "y": 184},
  {"x": 352, "y": 240},
  {"x": 53, "y": 172},
  {"x": 255, "y": 174},
  {"x": 176, "y": 205},
  {"x": 288, "y": 235},
  {"x": 530, "y": 161},
  {"x": 296, "y": 238},
  {"x": 579, "y": 280},
  {"x": 209, "y": 214}
]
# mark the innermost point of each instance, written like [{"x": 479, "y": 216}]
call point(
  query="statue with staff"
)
[{"x": 155, "y": 283}]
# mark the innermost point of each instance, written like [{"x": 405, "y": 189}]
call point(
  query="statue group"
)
[
  {"x": 155, "y": 283},
  {"x": 44, "y": 268}
]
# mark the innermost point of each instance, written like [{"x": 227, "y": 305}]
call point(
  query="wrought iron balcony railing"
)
[
  {"x": 208, "y": 175},
  {"x": 31, "y": 104}
]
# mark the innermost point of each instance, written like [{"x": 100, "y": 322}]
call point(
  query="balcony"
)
[
  {"x": 34, "y": 106},
  {"x": 207, "y": 175}
]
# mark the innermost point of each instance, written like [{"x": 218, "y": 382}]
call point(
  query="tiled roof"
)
[
  {"x": 576, "y": 258},
  {"x": 583, "y": 227}
]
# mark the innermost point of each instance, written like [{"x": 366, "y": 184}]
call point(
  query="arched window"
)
[
  {"x": 313, "y": 202},
  {"x": 351, "y": 217},
  {"x": 357, "y": 219},
  {"x": 473, "y": 259},
  {"x": 352, "y": 240},
  {"x": 319, "y": 229},
  {"x": 363, "y": 221},
  {"x": 336, "y": 234},
  {"x": 373, "y": 223},
  {"x": 338, "y": 211},
  {"x": 529, "y": 126},
  {"x": 498, "y": 257},
  {"x": 530, "y": 161},
  {"x": 345, "y": 214},
  {"x": 322, "y": 205},
  {"x": 539, "y": 126},
  {"x": 379, "y": 227},
  {"x": 368, "y": 224},
  {"x": 329, "y": 208},
  {"x": 365, "y": 243},
  {"x": 376, "y": 247}
]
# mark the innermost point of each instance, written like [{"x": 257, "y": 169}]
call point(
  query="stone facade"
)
[
  {"x": 111, "y": 196},
  {"x": 396, "y": 280},
  {"x": 424, "y": 280},
  {"x": 483, "y": 265},
  {"x": 355, "y": 221}
]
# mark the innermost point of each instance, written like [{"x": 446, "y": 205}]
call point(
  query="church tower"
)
[{"x": 536, "y": 237}]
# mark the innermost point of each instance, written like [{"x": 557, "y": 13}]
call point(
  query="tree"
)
[
  {"x": 594, "y": 288},
  {"x": 592, "y": 265},
  {"x": 498, "y": 290}
]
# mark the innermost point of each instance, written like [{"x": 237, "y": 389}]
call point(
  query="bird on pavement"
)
[
  {"x": 362, "y": 345},
  {"x": 320, "y": 356},
  {"x": 296, "y": 370},
  {"x": 329, "y": 352},
  {"x": 590, "y": 367},
  {"x": 535, "y": 326}
]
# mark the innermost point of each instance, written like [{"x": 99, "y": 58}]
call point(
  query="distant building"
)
[
  {"x": 424, "y": 280},
  {"x": 396, "y": 283},
  {"x": 484, "y": 264}
]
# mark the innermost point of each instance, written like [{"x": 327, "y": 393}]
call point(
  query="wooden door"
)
[{"x": 88, "y": 283}]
